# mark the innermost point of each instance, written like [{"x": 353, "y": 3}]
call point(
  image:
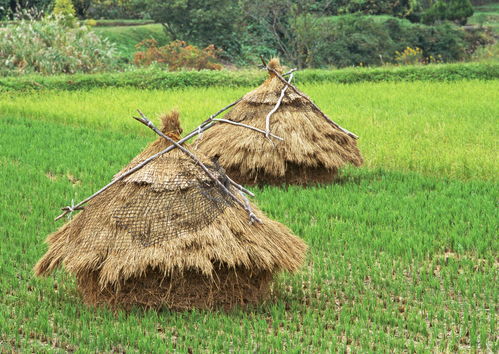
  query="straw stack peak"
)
[
  {"x": 275, "y": 64},
  {"x": 171, "y": 125}
]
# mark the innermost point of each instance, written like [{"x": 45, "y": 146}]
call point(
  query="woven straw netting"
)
[
  {"x": 168, "y": 221},
  {"x": 312, "y": 150}
]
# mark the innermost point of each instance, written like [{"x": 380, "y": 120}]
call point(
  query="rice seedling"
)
[
  {"x": 403, "y": 252},
  {"x": 430, "y": 128}
]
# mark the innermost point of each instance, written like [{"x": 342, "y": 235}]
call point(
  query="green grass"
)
[
  {"x": 489, "y": 14},
  {"x": 403, "y": 251},
  {"x": 154, "y": 78},
  {"x": 122, "y": 22},
  {"x": 430, "y": 128},
  {"x": 126, "y": 37}
]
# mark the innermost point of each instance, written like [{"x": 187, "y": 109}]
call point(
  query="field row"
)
[
  {"x": 439, "y": 129},
  {"x": 147, "y": 79},
  {"x": 397, "y": 261}
]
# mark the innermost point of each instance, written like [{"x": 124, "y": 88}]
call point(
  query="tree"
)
[
  {"x": 12, "y": 8},
  {"x": 4, "y": 8},
  {"x": 81, "y": 7},
  {"x": 202, "y": 22},
  {"x": 459, "y": 11},
  {"x": 290, "y": 24}
]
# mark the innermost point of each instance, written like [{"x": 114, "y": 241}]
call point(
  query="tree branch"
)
[
  {"x": 276, "y": 107},
  {"x": 283, "y": 80},
  {"x": 247, "y": 126}
]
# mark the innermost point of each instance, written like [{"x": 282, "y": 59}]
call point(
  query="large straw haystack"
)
[
  {"x": 167, "y": 235},
  {"x": 312, "y": 150}
]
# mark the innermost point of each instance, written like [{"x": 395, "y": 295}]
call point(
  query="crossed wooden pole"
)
[{"x": 207, "y": 124}]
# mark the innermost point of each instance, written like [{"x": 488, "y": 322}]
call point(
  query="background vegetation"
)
[
  {"x": 51, "y": 45},
  {"x": 311, "y": 33},
  {"x": 156, "y": 78}
]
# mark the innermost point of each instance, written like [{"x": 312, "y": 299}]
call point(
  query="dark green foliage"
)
[
  {"x": 158, "y": 79},
  {"x": 202, "y": 22},
  {"x": 459, "y": 11},
  {"x": 9, "y": 7},
  {"x": 4, "y": 9},
  {"x": 112, "y": 9},
  {"x": 452, "y": 10},
  {"x": 353, "y": 40},
  {"x": 81, "y": 7}
]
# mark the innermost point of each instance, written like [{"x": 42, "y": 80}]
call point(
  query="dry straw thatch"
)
[
  {"x": 312, "y": 151},
  {"x": 168, "y": 236}
]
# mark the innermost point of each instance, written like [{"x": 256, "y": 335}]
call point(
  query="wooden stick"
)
[
  {"x": 252, "y": 215},
  {"x": 144, "y": 120},
  {"x": 238, "y": 186},
  {"x": 202, "y": 127},
  {"x": 208, "y": 123},
  {"x": 247, "y": 126},
  {"x": 283, "y": 80},
  {"x": 276, "y": 107},
  {"x": 290, "y": 72}
]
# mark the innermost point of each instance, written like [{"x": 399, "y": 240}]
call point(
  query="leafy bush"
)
[
  {"x": 177, "y": 55},
  {"x": 200, "y": 22},
  {"x": 354, "y": 40},
  {"x": 452, "y": 10},
  {"x": 112, "y": 9},
  {"x": 413, "y": 56},
  {"x": 48, "y": 46},
  {"x": 4, "y": 9},
  {"x": 10, "y": 9},
  {"x": 64, "y": 8},
  {"x": 410, "y": 56}
]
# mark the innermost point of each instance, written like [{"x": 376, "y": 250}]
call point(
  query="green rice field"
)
[{"x": 403, "y": 252}]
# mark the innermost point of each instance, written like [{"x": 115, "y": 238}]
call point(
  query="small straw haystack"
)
[
  {"x": 167, "y": 235},
  {"x": 312, "y": 150}
]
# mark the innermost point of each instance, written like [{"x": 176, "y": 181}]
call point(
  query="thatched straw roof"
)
[
  {"x": 168, "y": 217},
  {"x": 312, "y": 150}
]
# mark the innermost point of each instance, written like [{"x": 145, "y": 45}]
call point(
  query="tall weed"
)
[{"x": 49, "y": 46}]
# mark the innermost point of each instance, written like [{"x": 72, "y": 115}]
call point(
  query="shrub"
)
[
  {"x": 64, "y": 8},
  {"x": 91, "y": 22},
  {"x": 409, "y": 56},
  {"x": 452, "y": 10},
  {"x": 353, "y": 40},
  {"x": 199, "y": 22},
  {"x": 413, "y": 56},
  {"x": 152, "y": 78},
  {"x": 4, "y": 9},
  {"x": 48, "y": 46},
  {"x": 177, "y": 55}
]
